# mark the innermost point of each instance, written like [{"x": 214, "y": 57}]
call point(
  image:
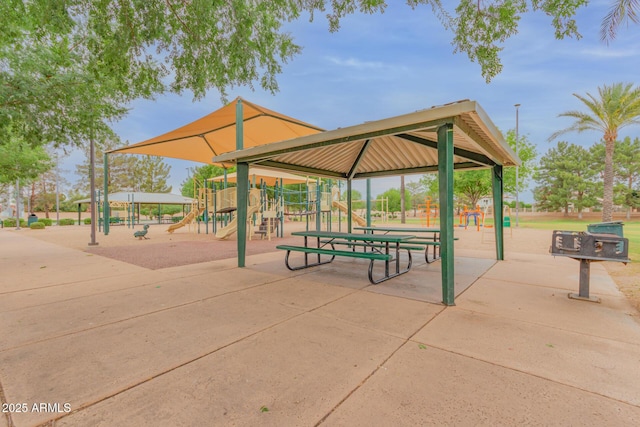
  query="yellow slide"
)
[
  {"x": 232, "y": 227},
  {"x": 184, "y": 221},
  {"x": 354, "y": 216}
]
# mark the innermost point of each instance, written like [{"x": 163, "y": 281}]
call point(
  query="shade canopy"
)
[
  {"x": 398, "y": 145},
  {"x": 215, "y": 133},
  {"x": 268, "y": 176},
  {"x": 145, "y": 198}
]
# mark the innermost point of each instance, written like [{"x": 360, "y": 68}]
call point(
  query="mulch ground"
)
[{"x": 172, "y": 254}]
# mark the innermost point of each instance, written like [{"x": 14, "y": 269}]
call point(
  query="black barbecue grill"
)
[{"x": 588, "y": 247}]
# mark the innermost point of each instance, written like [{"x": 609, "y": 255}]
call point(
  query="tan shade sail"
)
[
  {"x": 215, "y": 134},
  {"x": 145, "y": 198},
  {"x": 398, "y": 145},
  {"x": 268, "y": 176}
]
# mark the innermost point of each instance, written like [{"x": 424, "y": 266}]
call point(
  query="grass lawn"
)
[
  {"x": 631, "y": 229},
  {"x": 625, "y": 276}
]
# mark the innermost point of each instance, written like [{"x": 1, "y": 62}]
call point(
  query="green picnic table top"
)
[
  {"x": 391, "y": 238},
  {"x": 400, "y": 229}
]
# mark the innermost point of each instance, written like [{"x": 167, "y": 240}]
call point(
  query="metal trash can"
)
[
  {"x": 612, "y": 227},
  {"x": 32, "y": 218}
]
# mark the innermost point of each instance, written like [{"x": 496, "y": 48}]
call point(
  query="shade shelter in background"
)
[
  {"x": 268, "y": 176},
  {"x": 459, "y": 135},
  {"x": 219, "y": 132},
  {"x": 137, "y": 198}
]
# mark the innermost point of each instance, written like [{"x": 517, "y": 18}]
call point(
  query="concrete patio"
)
[{"x": 211, "y": 344}]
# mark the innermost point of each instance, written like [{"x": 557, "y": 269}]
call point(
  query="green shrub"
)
[
  {"x": 46, "y": 221},
  {"x": 11, "y": 222},
  {"x": 37, "y": 225},
  {"x": 87, "y": 221},
  {"x": 68, "y": 221}
]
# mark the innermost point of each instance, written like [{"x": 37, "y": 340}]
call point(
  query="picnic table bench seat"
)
[
  {"x": 417, "y": 247},
  {"x": 335, "y": 252}
]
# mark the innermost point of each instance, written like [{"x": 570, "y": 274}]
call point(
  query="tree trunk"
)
[
  {"x": 607, "y": 198},
  {"x": 630, "y": 208},
  {"x": 403, "y": 218}
]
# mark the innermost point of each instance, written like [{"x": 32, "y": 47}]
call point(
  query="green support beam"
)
[
  {"x": 106, "y": 210},
  {"x": 368, "y": 203},
  {"x": 318, "y": 206},
  {"x": 469, "y": 155},
  {"x": 445, "y": 180},
  {"x": 242, "y": 177},
  {"x": 349, "y": 206},
  {"x": 242, "y": 193},
  {"x": 239, "y": 126},
  {"x": 498, "y": 210}
]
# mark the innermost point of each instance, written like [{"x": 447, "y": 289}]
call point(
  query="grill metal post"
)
[{"x": 583, "y": 292}]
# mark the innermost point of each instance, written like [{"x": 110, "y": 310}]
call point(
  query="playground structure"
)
[
  {"x": 488, "y": 221},
  {"x": 316, "y": 202},
  {"x": 430, "y": 211},
  {"x": 226, "y": 204},
  {"x": 466, "y": 215}
]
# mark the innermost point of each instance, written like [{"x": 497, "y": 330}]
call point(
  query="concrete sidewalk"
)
[{"x": 101, "y": 342}]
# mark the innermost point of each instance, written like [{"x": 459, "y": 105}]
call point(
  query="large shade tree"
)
[
  {"x": 566, "y": 177},
  {"x": 616, "y": 106},
  {"x": 69, "y": 67}
]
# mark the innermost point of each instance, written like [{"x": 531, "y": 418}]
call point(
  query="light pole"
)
[{"x": 517, "y": 200}]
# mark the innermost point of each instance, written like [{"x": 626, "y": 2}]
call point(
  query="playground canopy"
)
[
  {"x": 268, "y": 176},
  {"x": 215, "y": 133},
  {"x": 145, "y": 198},
  {"x": 458, "y": 135}
]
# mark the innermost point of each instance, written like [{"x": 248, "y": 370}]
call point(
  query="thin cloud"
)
[
  {"x": 357, "y": 64},
  {"x": 603, "y": 52}
]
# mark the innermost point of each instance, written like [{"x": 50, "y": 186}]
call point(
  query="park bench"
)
[{"x": 380, "y": 245}]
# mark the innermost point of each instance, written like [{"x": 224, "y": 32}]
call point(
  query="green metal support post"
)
[
  {"x": 368, "y": 202},
  {"x": 240, "y": 127},
  {"x": 349, "y": 206},
  {"x": 498, "y": 210},
  {"x": 242, "y": 175},
  {"x": 445, "y": 180},
  {"x": 318, "y": 206},
  {"x": 242, "y": 193},
  {"x": 106, "y": 210}
]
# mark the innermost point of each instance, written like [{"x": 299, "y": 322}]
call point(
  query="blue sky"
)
[{"x": 383, "y": 65}]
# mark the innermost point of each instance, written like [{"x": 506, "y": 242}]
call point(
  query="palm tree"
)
[
  {"x": 621, "y": 11},
  {"x": 617, "y": 106}
]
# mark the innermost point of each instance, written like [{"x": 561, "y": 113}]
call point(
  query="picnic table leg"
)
[
  {"x": 386, "y": 263},
  {"x": 397, "y": 257},
  {"x": 387, "y": 275},
  {"x": 436, "y": 250}
]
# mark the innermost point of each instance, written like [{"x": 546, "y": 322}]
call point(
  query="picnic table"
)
[
  {"x": 424, "y": 238},
  {"x": 382, "y": 248}
]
